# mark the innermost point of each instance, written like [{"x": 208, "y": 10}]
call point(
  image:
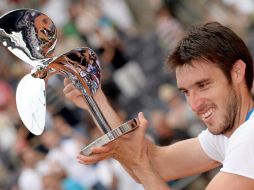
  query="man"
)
[{"x": 214, "y": 70}]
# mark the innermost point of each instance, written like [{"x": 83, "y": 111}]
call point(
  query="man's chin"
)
[{"x": 214, "y": 131}]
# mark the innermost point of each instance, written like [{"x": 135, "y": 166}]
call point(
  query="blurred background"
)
[{"x": 132, "y": 39}]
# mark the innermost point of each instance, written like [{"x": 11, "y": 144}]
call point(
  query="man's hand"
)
[
  {"x": 131, "y": 150},
  {"x": 121, "y": 147},
  {"x": 74, "y": 94}
]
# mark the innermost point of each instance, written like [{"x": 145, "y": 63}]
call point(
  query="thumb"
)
[
  {"x": 66, "y": 81},
  {"x": 143, "y": 121}
]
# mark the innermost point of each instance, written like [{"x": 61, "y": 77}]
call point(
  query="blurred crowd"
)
[{"x": 132, "y": 39}]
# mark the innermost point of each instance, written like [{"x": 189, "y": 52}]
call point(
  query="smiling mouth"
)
[{"x": 207, "y": 115}]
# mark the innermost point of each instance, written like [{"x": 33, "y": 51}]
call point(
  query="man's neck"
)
[{"x": 245, "y": 106}]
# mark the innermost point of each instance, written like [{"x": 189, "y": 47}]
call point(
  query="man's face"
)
[{"x": 209, "y": 94}]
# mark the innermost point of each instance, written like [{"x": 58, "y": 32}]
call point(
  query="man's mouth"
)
[{"x": 205, "y": 116}]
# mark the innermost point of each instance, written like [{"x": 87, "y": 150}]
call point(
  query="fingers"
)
[
  {"x": 140, "y": 131},
  {"x": 99, "y": 153},
  {"x": 72, "y": 94},
  {"x": 92, "y": 159},
  {"x": 66, "y": 81},
  {"x": 101, "y": 150},
  {"x": 69, "y": 90},
  {"x": 143, "y": 121},
  {"x": 68, "y": 86}
]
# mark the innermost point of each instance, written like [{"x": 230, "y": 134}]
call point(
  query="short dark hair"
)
[{"x": 215, "y": 43}]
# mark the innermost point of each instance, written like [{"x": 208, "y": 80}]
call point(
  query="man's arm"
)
[
  {"x": 150, "y": 179},
  {"x": 171, "y": 162},
  {"x": 184, "y": 158},
  {"x": 230, "y": 181}
]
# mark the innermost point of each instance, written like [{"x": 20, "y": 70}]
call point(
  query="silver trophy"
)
[{"x": 31, "y": 36}]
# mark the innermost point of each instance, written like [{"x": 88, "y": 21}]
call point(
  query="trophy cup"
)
[{"x": 31, "y": 36}]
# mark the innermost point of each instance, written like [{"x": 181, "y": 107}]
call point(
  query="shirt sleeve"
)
[
  {"x": 211, "y": 145},
  {"x": 240, "y": 153}
]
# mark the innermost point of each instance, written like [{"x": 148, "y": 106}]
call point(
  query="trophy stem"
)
[
  {"x": 96, "y": 112},
  {"x": 93, "y": 107}
]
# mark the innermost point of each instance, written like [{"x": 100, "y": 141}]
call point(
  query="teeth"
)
[{"x": 207, "y": 114}]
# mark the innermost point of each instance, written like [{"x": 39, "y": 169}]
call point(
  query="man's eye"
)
[
  {"x": 185, "y": 92},
  {"x": 203, "y": 85}
]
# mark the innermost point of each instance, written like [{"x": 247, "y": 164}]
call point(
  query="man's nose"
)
[{"x": 195, "y": 101}]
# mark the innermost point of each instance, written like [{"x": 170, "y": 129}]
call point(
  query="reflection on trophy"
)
[{"x": 31, "y": 36}]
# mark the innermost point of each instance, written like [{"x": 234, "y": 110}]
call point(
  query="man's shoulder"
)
[
  {"x": 213, "y": 145},
  {"x": 239, "y": 157},
  {"x": 244, "y": 133},
  {"x": 208, "y": 136}
]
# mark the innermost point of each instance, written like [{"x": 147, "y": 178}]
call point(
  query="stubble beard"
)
[{"x": 230, "y": 116}]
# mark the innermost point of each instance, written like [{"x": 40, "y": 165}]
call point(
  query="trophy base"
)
[{"x": 112, "y": 135}]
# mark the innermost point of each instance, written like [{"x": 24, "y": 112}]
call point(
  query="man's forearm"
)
[
  {"x": 108, "y": 112},
  {"x": 150, "y": 179}
]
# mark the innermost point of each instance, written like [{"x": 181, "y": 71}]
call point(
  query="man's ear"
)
[{"x": 238, "y": 71}]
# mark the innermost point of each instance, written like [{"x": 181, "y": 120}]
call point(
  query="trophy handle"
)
[{"x": 81, "y": 66}]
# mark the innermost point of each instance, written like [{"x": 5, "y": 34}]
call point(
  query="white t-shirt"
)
[{"x": 236, "y": 153}]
